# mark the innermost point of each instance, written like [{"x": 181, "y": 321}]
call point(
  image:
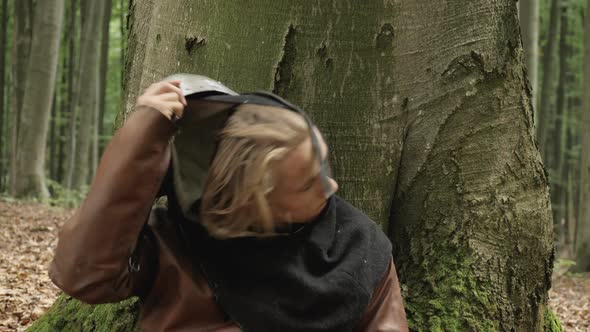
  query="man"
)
[{"x": 253, "y": 237}]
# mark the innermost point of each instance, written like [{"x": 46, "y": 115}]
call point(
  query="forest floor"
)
[{"x": 28, "y": 235}]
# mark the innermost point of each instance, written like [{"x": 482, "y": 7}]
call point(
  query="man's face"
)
[{"x": 299, "y": 195}]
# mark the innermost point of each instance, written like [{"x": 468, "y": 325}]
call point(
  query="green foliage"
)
[
  {"x": 65, "y": 197},
  {"x": 68, "y": 314},
  {"x": 564, "y": 264}
]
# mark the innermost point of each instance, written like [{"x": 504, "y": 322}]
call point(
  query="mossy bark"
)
[
  {"x": 471, "y": 219},
  {"x": 67, "y": 314},
  {"x": 427, "y": 112},
  {"x": 552, "y": 323}
]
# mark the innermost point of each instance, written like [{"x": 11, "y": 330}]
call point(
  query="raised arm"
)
[{"x": 91, "y": 261}]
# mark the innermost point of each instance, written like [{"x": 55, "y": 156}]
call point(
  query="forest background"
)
[{"x": 59, "y": 110}]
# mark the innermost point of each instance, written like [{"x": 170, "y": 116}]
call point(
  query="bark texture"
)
[
  {"x": 582, "y": 243},
  {"x": 427, "y": 111},
  {"x": 334, "y": 63},
  {"x": 471, "y": 216},
  {"x": 37, "y": 100}
]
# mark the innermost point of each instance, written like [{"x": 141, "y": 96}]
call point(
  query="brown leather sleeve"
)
[
  {"x": 385, "y": 312},
  {"x": 91, "y": 261}
]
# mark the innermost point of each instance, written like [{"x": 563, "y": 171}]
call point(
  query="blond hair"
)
[{"x": 235, "y": 197}]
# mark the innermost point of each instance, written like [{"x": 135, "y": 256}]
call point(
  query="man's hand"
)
[{"x": 166, "y": 97}]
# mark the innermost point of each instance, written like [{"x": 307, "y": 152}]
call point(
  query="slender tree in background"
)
[
  {"x": 37, "y": 100},
  {"x": 431, "y": 134},
  {"x": 3, "y": 32},
  {"x": 104, "y": 66},
  {"x": 23, "y": 18},
  {"x": 556, "y": 161},
  {"x": 582, "y": 243},
  {"x": 567, "y": 170},
  {"x": 52, "y": 138},
  {"x": 73, "y": 94},
  {"x": 547, "y": 86},
  {"x": 122, "y": 5},
  {"x": 529, "y": 23},
  {"x": 89, "y": 84},
  {"x": 57, "y": 155},
  {"x": 62, "y": 112}
]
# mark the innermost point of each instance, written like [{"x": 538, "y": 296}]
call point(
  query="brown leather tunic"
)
[{"x": 92, "y": 258}]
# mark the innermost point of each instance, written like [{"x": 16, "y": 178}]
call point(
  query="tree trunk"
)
[
  {"x": 567, "y": 188},
  {"x": 104, "y": 65},
  {"x": 23, "y": 22},
  {"x": 62, "y": 98},
  {"x": 63, "y": 112},
  {"x": 123, "y": 28},
  {"x": 544, "y": 114},
  {"x": 73, "y": 93},
  {"x": 422, "y": 108},
  {"x": 88, "y": 95},
  {"x": 471, "y": 218},
  {"x": 98, "y": 130},
  {"x": 53, "y": 133},
  {"x": 8, "y": 97},
  {"x": 3, "y": 32},
  {"x": 529, "y": 24},
  {"x": 67, "y": 78},
  {"x": 40, "y": 84},
  {"x": 582, "y": 243},
  {"x": 555, "y": 161}
]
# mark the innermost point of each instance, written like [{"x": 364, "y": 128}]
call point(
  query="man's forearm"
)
[{"x": 91, "y": 259}]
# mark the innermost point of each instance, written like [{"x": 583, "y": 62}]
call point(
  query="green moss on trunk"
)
[
  {"x": 451, "y": 299},
  {"x": 68, "y": 314},
  {"x": 552, "y": 323}
]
